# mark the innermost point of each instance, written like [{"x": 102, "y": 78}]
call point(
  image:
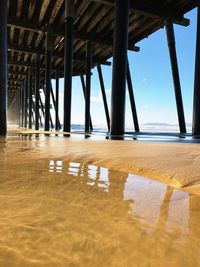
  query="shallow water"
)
[{"x": 58, "y": 212}]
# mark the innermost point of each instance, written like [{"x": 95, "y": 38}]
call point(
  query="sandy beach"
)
[
  {"x": 76, "y": 202},
  {"x": 174, "y": 163}
]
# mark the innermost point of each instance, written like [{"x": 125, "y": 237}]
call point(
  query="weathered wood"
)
[
  {"x": 84, "y": 36},
  {"x": 55, "y": 54},
  {"x": 150, "y": 12}
]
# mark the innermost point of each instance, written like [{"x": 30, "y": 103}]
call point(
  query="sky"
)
[{"x": 152, "y": 81}]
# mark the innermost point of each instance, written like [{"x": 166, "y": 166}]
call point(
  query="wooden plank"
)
[
  {"x": 19, "y": 8},
  {"x": 44, "y": 7},
  {"x": 78, "y": 35},
  {"x": 25, "y": 10},
  {"x": 57, "y": 7},
  {"x": 48, "y": 13},
  {"x": 36, "y": 12},
  {"x": 29, "y": 50}
]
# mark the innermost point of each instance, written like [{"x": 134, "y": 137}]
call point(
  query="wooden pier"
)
[{"x": 43, "y": 40}]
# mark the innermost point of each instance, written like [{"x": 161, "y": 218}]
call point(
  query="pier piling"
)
[
  {"x": 3, "y": 67},
  {"x": 58, "y": 126},
  {"x": 103, "y": 91},
  {"x": 132, "y": 100},
  {"x": 68, "y": 63},
  {"x": 196, "y": 104},
  {"x": 37, "y": 90},
  {"x": 175, "y": 74},
  {"x": 118, "y": 98},
  {"x": 88, "y": 86},
  {"x": 30, "y": 100},
  {"x": 48, "y": 69}
]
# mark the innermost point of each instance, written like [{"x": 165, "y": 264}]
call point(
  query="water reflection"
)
[
  {"x": 157, "y": 209},
  {"x": 148, "y": 201},
  {"x": 94, "y": 175},
  {"x": 56, "y": 212},
  {"x": 146, "y": 197}
]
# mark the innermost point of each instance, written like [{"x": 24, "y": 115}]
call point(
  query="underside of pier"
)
[{"x": 43, "y": 40}]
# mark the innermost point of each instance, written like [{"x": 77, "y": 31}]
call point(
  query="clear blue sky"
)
[{"x": 152, "y": 81}]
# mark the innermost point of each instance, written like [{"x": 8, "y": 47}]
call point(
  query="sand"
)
[
  {"x": 177, "y": 164},
  {"x": 76, "y": 202}
]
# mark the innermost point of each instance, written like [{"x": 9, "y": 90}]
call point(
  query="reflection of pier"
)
[
  {"x": 155, "y": 206},
  {"x": 90, "y": 175},
  {"x": 167, "y": 217}
]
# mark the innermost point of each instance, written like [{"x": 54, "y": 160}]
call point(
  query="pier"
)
[
  {"x": 46, "y": 40},
  {"x": 95, "y": 197}
]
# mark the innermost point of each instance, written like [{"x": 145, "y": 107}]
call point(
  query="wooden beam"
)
[
  {"x": 77, "y": 35},
  {"x": 55, "y": 69},
  {"x": 55, "y": 54},
  {"x": 17, "y": 73},
  {"x": 29, "y": 64},
  {"x": 13, "y": 88},
  {"x": 14, "y": 80},
  {"x": 137, "y": 8}
]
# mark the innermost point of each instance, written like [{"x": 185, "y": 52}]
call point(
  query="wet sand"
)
[
  {"x": 76, "y": 202},
  {"x": 175, "y": 163}
]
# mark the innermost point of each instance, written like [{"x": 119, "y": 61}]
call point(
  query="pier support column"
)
[
  {"x": 132, "y": 100},
  {"x": 48, "y": 68},
  {"x": 58, "y": 126},
  {"x": 175, "y": 73},
  {"x": 19, "y": 108},
  {"x": 68, "y": 63},
  {"x": 119, "y": 68},
  {"x": 3, "y": 67},
  {"x": 26, "y": 103},
  {"x": 42, "y": 106},
  {"x": 54, "y": 104},
  {"x": 50, "y": 118},
  {"x": 16, "y": 109},
  {"x": 196, "y": 105},
  {"x": 22, "y": 104},
  {"x": 83, "y": 87},
  {"x": 88, "y": 86},
  {"x": 15, "y": 112},
  {"x": 37, "y": 91},
  {"x": 104, "y": 95},
  {"x": 30, "y": 99}
]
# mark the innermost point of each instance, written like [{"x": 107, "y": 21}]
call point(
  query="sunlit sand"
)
[{"x": 76, "y": 202}]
